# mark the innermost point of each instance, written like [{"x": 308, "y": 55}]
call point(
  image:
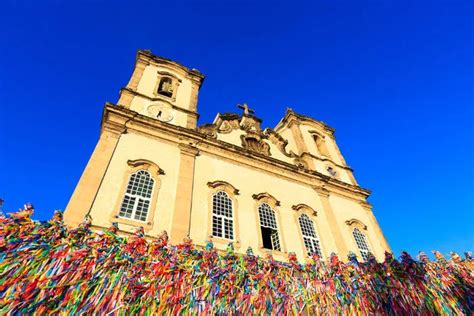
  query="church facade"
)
[{"x": 277, "y": 190}]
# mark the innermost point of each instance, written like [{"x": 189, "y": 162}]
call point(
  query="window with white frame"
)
[
  {"x": 137, "y": 199},
  {"x": 310, "y": 238},
  {"x": 222, "y": 217},
  {"x": 268, "y": 227},
  {"x": 362, "y": 244}
]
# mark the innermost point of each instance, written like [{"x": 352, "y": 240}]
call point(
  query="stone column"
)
[
  {"x": 86, "y": 190},
  {"x": 341, "y": 246},
  {"x": 182, "y": 212}
]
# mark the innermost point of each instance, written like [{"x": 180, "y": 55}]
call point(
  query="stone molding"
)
[
  {"x": 366, "y": 205},
  {"x": 119, "y": 115},
  {"x": 291, "y": 117},
  {"x": 303, "y": 207},
  {"x": 266, "y": 195},
  {"x": 148, "y": 56},
  {"x": 158, "y": 98},
  {"x": 139, "y": 162},
  {"x": 356, "y": 223},
  {"x": 254, "y": 143},
  {"x": 188, "y": 150},
  {"x": 254, "y": 139},
  {"x": 219, "y": 183}
]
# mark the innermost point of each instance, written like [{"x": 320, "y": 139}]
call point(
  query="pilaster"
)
[
  {"x": 126, "y": 97},
  {"x": 140, "y": 66},
  {"x": 182, "y": 212},
  {"x": 86, "y": 190},
  {"x": 341, "y": 246}
]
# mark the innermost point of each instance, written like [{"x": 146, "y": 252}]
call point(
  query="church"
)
[{"x": 276, "y": 190}]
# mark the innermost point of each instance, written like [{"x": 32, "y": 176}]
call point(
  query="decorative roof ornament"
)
[{"x": 246, "y": 108}]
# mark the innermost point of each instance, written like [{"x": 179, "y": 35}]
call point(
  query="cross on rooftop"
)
[{"x": 246, "y": 108}]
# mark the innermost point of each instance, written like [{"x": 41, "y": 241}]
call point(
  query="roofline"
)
[
  {"x": 226, "y": 146},
  {"x": 289, "y": 112},
  {"x": 163, "y": 60}
]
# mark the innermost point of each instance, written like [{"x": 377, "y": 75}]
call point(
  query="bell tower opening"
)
[
  {"x": 157, "y": 80},
  {"x": 166, "y": 87}
]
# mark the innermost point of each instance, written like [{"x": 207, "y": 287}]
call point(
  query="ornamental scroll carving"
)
[
  {"x": 278, "y": 141},
  {"x": 250, "y": 124},
  {"x": 254, "y": 138},
  {"x": 228, "y": 126},
  {"x": 254, "y": 144},
  {"x": 209, "y": 130}
]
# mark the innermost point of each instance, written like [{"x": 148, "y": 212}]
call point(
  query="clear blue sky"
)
[{"x": 394, "y": 78}]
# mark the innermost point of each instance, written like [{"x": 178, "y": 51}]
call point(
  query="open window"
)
[{"x": 268, "y": 227}]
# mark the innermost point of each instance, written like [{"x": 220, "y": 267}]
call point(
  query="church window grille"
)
[
  {"x": 268, "y": 227},
  {"x": 310, "y": 238},
  {"x": 222, "y": 217},
  {"x": 137, "y": 199},
  {"x": 361, "y": 242}
]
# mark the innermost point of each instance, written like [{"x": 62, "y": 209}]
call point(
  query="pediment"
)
[{"x": 245, "y": 131}]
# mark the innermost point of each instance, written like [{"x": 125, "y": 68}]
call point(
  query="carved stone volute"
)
[
  {"x": 253, "y": 143},
  {"x": 210, "y": 130},
  {"x": 250, "y": 124},
  {"x": 278, "y": 141}
]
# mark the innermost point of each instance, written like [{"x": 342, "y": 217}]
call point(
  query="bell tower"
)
[{"x": 163, "y": 89}]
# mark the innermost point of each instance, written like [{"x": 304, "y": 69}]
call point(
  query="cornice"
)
[
  {"x": 366, "y": 205},
  {"x": 135, "y": 93},
  {"x": 148, "y": 56},
  {"x": 169, "y": 74},
  {"x": 291, "y": 116},
  {"x": 321, "y": 190},
  {"x": 189, "y": 150},
  {"x": 178, "y": 134},
  {"x": 327, "y": 159}
]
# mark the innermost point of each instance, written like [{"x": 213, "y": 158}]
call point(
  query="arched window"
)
[
  {"x": 222, "y": 217},
  {"x": 310, "y": 238},
  {"x": 268, "y": 227},
  {"x": 166, "y": 87},
  {"x": 361, "y": 242},
  {"x": 137, "y": 199}
]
